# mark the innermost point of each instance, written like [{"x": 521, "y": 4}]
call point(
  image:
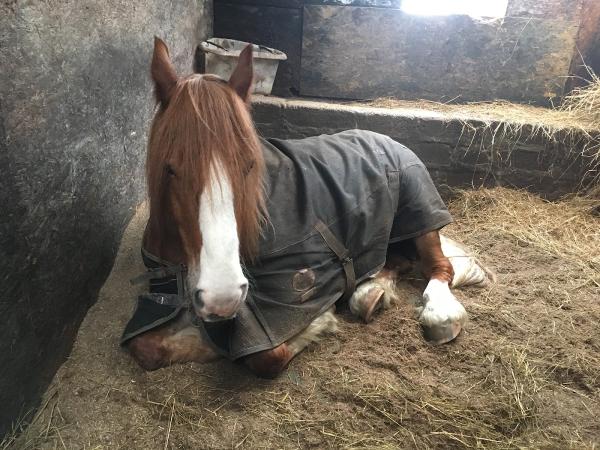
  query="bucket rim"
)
[{"x": 214, "y": 46}]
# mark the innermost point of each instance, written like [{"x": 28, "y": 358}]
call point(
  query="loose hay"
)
[
  {"x": 545, "y": 120},
  {"x": 497, "y": 128},
  {"x": 567, "y": 229},
  {"x": 584, "y": 102},
  {"x": 523, "y": 375}
]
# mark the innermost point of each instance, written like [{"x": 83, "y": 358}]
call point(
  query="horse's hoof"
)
[
  {"x": 371, "y": 304},
  {"x": 442, "y": 334}
]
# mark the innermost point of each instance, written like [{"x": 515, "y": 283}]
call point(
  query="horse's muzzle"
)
[{"x": 216, "y": 309}]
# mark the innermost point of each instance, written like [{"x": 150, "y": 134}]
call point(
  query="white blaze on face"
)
[{"x": 219, "y": 278}]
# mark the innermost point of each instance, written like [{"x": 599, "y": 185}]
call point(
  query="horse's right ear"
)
[
  {"x": 163, "y": 72},
  {"x": 243, "y": 75}
]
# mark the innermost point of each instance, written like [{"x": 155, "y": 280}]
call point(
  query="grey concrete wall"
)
[
  {"x": 360, "y": 49},
  {"x": 545, "y": 9},
  {"x": 587, "y": 56},
  {"x": 458, "y": 152},
  {"x": 360, "y": 53},
  {"x": 75, "y": 100}
]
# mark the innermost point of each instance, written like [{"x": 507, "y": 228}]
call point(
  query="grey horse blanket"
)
[{"x": 335, "y": 203}]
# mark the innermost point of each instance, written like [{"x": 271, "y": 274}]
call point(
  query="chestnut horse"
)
[{"x": 205, "y": 171}]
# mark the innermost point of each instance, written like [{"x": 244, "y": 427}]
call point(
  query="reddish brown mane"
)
[{"x": 204, "y": 122}]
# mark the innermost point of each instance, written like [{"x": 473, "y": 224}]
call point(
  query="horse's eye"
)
[
  {"x": 250, "y": 167},
  {"x": 169, "y": 170}
]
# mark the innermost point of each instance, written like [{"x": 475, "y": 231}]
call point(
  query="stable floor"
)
[{"x": 525, "y": 372}]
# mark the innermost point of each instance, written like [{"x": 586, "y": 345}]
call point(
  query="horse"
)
[{"x": 250, "y": 244}]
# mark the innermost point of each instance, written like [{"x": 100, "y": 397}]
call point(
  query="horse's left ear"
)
[{"x": 243, "y": 75}]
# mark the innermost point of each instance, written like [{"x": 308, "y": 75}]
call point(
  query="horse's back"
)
[{"x": 328, "y": 177}]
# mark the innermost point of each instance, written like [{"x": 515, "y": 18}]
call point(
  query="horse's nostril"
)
[
  {"x": 244, "y": 289},
  {"x": 198, "y": 298}
]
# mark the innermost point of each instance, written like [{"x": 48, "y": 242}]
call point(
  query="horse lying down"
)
[{"x": 250, "y": 243}]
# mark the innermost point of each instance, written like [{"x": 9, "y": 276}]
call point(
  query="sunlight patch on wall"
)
[{"x": 473, "y": 8}]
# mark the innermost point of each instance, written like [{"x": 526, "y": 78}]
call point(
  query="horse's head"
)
[{"x": 204, "y": 170}]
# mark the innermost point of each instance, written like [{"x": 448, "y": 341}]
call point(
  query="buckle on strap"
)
[
  {"x": 164, "y": 299},
  {"x": 343, "y": 255}
]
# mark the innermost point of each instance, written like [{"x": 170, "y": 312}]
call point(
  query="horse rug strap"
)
[
  {"x": 165, "y": 300},
  {"x": 344, "y": 256}
]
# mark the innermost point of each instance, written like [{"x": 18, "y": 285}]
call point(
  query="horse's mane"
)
[{"x": 205, "y": 122}]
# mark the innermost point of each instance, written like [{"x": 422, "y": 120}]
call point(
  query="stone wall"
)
[
  {"x": 459, "y": 152},
  {"x": 587, "y": 56},
  {"x": 360, "y": 49},
  {"x": 360, "y": 53},
  {"x": 75, "y": 101}
]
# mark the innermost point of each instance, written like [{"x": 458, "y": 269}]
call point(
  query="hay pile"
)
[
  {"x": 498, "y": 127},
  {"x": 583, "y": 103},
  {"x": 525, "y": 374},
  {"x": 567, "y": 229},
  {"x": 547, "y": 121}
]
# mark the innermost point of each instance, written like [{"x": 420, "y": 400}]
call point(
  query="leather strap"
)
[
  {"x": 167, "y": 270},
  {"x": 343, "y": 255},
  {"x": 155, "y": 259},
  {"x": 159, "y": 272}
]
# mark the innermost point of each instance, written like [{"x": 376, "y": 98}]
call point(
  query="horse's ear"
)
[
  {"x": 163, "y": 72},
  {"x": 243, "y": 75}
]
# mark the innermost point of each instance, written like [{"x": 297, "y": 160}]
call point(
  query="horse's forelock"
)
[{"x": 206, "y": 123}]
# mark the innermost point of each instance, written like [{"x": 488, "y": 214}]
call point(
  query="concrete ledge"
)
[{"x": 460, "y": 150}]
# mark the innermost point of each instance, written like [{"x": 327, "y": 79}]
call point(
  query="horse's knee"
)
[
  {"x": 148, "y": 351},
  {"x": 269, "y": 363}
]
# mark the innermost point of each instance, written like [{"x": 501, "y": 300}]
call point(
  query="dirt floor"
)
[{"x": 525, "y": 373}]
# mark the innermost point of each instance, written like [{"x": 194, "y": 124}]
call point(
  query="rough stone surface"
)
[
  {"x": 373, "y": 3},
  {"x": 353, "y": 52},
  {"x": 454, "y": 155},
  {"x": 75, "y": 100},
  {"x": 587, "y": 55},
  {"x": 548, "y": 9},
  {"x": 276, "y": 27},
  {"x": 275, "y": 3}
]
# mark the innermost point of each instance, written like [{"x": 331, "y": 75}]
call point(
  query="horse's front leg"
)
[
  {"x": 178, "y": 342},
  {"x": 270, "y": 363},
  {"x": 442, "y": 316}
]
